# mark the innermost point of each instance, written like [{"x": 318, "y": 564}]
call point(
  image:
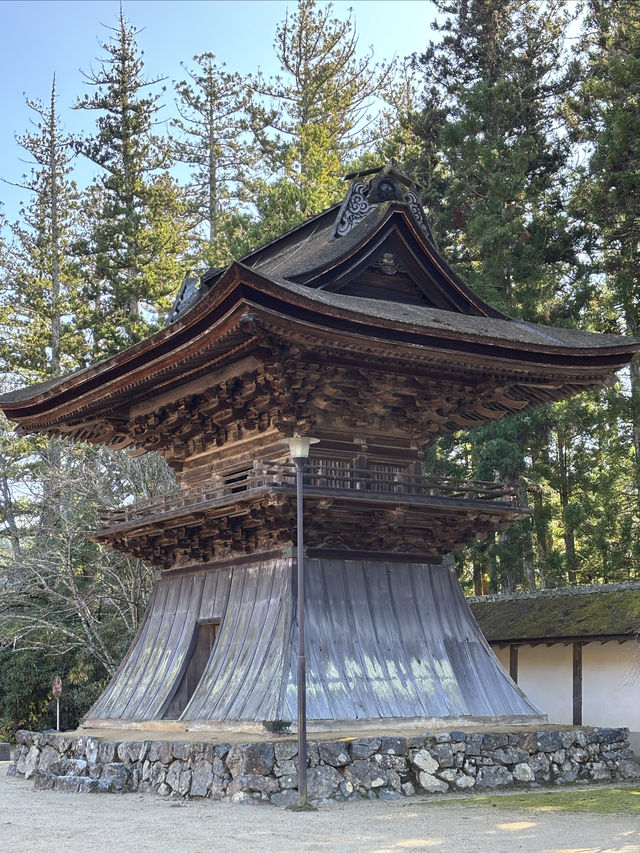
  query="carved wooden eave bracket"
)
[{"x": 267, "y": 335}]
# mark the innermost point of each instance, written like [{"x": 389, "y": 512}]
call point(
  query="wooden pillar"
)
[
  {"x": 513, "y": 662},
  {"x": 577, "y": 684}
]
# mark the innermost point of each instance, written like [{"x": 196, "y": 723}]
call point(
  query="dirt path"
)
[{"x": 42, "y": 821}]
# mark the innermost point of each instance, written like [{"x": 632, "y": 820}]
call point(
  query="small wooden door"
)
[{"x": 205, "y": 634}]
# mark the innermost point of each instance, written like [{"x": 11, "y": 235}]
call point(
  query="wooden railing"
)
[{"x": 317, "y": 477}]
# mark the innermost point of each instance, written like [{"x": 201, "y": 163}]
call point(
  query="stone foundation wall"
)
[{"x": 366, "y": 767}]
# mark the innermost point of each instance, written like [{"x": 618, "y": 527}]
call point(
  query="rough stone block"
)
[
  {"x": 48, "y": 756},
  {"x": 31, "y": 762},
  {"x": 68, "y": 784},
  {"x": 424, "y": 761},
  {"x": 285, "y": 750},
  {"x": 202, "y": 777},
  {"x": 129, "y": 752},
  {"x": 91, "y": 749},
  {"x": 157, "y": 773},
  {"x": 285, "y": 769},
  {"x": 284, "y": 798},
  {"x": 253, "y": 782},
  {"x": 432, "y": 784},
  {"x": 107, "y": 751},
  {"x": 43, "y": 781},
  {"x": 69, "y": 767},
  {"x": 523, "y": 773},
  {"x": 334, "y": 753},
  {"x": 180, "y": 750},
  {"x": 165, "y": 752},
  {"x": 493, "y": 777},
  {"x": 598, "y": 771},
  {"x": 628, "y": 769},
  {"x": 173, "y": 774},
  {"x": 364, "y": 747},
  {"x": 463, "y": 781},
  {"x": 570, "y": 771},
  {"x": 491, "y": 742},
  {"x": 444, "y": 754},
  {"x": 222, "y": 750},
  {"x": 322, "y": 782},
  {"x": 251, "y": 758},
  {"x": 116, "y": 778},
  {"x": 393, "y": 746},
  {"x": 612, "y": 735},
  {"x": 549, "y": 741},
  {"x": 510, "y": 755},
  {"x": 474, "y": 744},
  {"x": 89, "y": 786},
  {"x": 366, "y": 774}
]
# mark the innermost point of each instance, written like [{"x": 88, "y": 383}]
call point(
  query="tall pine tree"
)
[
  {"x": 137, "y": 219},
  {"x": 308, "y": 121},
  {"x": 212, "y": 129},
  {"x": 42, "y": 273},
  {"x": 495, "y": 168}
]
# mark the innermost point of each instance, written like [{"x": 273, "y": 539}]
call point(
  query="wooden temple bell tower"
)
[{"x": 353, "y": 329}]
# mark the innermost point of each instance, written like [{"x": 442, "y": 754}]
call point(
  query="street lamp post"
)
[{"x": 299, "y": 451}]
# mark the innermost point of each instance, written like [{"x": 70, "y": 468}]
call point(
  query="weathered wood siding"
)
[{"x": 383, "y": 640}]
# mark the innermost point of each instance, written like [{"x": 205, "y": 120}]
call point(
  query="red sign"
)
[{"x": 57, "y": 687}]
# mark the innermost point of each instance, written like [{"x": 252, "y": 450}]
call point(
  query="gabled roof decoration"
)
[{"x": 387, "y": 185}]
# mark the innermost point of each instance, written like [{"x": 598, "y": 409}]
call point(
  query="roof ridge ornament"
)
[{"x": 385, "y": 184}]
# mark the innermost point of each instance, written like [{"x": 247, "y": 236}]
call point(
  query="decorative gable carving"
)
[{"x": 386, "y": 185}]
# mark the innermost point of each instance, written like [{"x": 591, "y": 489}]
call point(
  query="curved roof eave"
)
[{"x": 425, "y": 327}]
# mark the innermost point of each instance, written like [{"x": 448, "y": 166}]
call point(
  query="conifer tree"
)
[
  {"x": 308, "y": 121},
  {"x": 212, "y": 125},
  {"x": 492, "y": 104},
  {"x": 137, "y": 222},
  {"x": 42, "y": 273},
  {"x": 604, "y": 117},
  {"x": 495, "y": 173}
]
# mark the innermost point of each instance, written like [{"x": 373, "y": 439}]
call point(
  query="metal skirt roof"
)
[{"x": 384, "y": 640}]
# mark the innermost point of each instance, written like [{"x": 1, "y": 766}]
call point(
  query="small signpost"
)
[{"x": 56, "y": 688}]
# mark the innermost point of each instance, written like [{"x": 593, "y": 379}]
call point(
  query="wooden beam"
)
[
  {"x": 513, "y": 662},
  {"x": 577, "y": 684}
]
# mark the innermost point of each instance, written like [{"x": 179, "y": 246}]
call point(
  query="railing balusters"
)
[{"x": 331, "y": 477}]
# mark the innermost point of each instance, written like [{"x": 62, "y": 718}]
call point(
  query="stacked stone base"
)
[{"x": 365, "y": 767}]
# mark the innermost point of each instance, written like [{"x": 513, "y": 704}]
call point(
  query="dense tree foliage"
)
[{"x": 526, "y": 144}]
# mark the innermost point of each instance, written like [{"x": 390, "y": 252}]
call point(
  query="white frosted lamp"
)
[{"x": 299, "y": 445}]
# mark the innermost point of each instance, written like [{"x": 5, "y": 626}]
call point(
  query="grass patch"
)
[{"x": 595, "y": 801}]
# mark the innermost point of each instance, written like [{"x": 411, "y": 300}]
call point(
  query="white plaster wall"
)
[
  {"x": 611, "y": 684},
  {"x": 503, "y": 656},
  {"x": 545, "y": 674}
]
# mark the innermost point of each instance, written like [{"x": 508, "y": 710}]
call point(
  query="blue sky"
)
[{"x": 43, "y": 37}]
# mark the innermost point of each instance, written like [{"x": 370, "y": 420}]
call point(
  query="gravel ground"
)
[{"x": 38, "y": 821}]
